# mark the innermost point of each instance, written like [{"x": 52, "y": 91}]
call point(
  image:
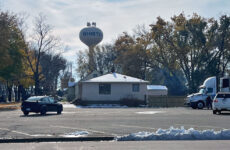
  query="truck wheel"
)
[
  {"x": 193, "y": 107},
  {"x": 200, "y": 105},
  {"x": 26, "y": 113},
  {"x": 219, "y": 112},
  {"x": 43, "y": 111}
]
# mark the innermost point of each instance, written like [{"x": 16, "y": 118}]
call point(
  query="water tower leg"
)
[{"x": 92, "y": 63}]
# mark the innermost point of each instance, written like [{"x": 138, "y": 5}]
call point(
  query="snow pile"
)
[
  {"x": 67, "y": 105},
  {"x": 77, "y": 134},
  {"x": 177, "y": 134},
  {"x": 149, "y": 112}
]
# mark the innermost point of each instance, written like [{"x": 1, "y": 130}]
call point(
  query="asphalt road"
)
[
  {"x": 102, "y": 122},
  {"x": 143, "y": 145}
]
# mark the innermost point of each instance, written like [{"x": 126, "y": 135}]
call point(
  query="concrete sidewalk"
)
[
  {"x": 57, "y": 139},
  {"x": 145, "y": 145}
]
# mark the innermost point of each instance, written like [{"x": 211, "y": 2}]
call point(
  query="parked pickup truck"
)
[{"x": 41, "y": 104}]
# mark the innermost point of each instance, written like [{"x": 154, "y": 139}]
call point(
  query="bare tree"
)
[{"x": 42, "y": 42}]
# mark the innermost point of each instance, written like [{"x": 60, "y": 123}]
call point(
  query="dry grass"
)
[{"x": 9, "y": 106}]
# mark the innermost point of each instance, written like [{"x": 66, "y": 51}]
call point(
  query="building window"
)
[
  {"x": 136, "y": 87},
  {"x": 105, "y": 88}
]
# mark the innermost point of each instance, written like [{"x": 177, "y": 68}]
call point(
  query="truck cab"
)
[{"x": 208, "y": 88}]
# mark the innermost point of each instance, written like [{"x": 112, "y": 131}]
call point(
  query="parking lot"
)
[{"x": 102, "y": 122}]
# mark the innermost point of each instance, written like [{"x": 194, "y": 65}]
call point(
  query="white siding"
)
[
  {"x": 77, "y": 91},
  {"x": 158, "y": 92},
  {"x": 90, "y": 92}
]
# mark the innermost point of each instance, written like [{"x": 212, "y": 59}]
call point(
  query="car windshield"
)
[{"x": 202, "y": 91}]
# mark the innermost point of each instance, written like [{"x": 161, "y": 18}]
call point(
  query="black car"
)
[{"x": 41, "y": 104}]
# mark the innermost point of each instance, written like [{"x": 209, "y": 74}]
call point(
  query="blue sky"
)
[{"x": 68, "y": 17}]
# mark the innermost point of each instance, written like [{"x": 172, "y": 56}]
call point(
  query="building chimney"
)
[{"x": 113, "y": 69}]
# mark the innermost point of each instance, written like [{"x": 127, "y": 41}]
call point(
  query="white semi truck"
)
[
  {"x": 198, "y": 100},
  {"x": 209, "y": 88}
]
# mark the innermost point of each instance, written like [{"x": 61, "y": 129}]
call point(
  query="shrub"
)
[{"x": 130, "y": 102}]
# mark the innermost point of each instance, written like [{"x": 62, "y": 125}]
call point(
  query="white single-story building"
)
[
  {"x": 93, "y": 74},
  {"x": 157, "y": 90},
  {"x": 112, "y": 87}
]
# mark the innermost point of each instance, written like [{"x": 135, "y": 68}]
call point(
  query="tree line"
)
[
  {"x": 29, "y": 64},
  {"x": 180, "y": 53}
]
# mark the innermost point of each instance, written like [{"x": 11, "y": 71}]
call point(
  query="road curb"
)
[{"x": 33, "y": 140}]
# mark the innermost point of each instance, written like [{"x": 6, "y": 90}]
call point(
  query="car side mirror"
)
[{"x": 55, "y": 101}]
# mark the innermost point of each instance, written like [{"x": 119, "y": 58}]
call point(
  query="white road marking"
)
[
  {"x": 130, "y": 126},
  {"x": 95, "y": 131},
  {"x": 18, "y": 132},
  {"x": 37, "y": 135},
  {"x": 23, "y": 133}
]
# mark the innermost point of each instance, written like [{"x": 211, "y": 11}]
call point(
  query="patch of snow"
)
[
  {"x": 76, "y": 134},
  {"x": 103, "y": 106},
  {"x": 69, "y": 106},
  {"x": 177, "y": 134},
  {"x": 115, "y": 77},
  {"x": 41, "y": 135},
  {"x": 150, "y": 112}
]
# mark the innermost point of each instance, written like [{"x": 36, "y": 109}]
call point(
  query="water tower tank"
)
[{"x": 91, "y": 35}]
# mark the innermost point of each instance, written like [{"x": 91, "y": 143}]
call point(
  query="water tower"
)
[{"x": 91, "y": 36}]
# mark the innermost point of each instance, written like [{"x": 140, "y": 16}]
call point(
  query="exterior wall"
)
[
  {"x": 90, "y": 92},
  {"x": 157, "y": 92},
  {"x": 77, "y": 91},
  {"x": 71, "y": 93}
]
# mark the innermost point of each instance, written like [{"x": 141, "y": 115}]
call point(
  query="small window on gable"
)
[{"x": 136, "y": 87}]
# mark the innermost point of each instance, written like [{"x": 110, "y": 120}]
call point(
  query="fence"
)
[{"x": 166, "y": 101}]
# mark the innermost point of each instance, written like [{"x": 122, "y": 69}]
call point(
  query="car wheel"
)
[
  {"x": 43, "y": 111},
  {"x": 200, "y": 105},
  {"x": 59, "y": 110},
  {"x": 26, "y": 113},
  {"x": 214, "y": 111}
]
